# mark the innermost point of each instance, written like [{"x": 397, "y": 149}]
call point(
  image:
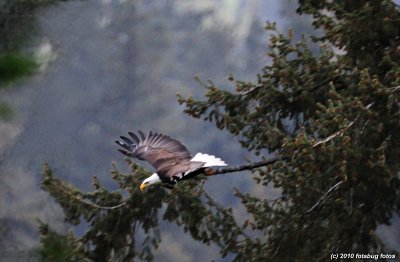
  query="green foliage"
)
[
  {"x": 59, "y": 248},
  {"x": 14, "y": 66},
  {"x": 113, "y": 232},
  {"x": 333, "y": 118}
]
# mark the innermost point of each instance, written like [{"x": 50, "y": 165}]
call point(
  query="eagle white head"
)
[
  {"x": 168, "y": 156},
  {"x": 153, "y": 179}
]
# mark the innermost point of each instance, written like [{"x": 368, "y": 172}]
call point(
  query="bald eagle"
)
[{"x": 171, "y": 159}]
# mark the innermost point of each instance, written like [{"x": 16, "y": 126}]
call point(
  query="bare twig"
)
[
  {"x": 395, "y": 88},
  {"x": 341, "y": 131},
  {"x": 102, "y": 207},
  {"x": 83, "y": 201},
  {"x": 324, "y": 197},
  {"x": 251, "y": 91},
  {"x": 312, "y": 89},
  {"x": 338, "y": 133},
  {"x": 364, "y": 127}
]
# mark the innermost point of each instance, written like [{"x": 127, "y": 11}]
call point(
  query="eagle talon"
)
[{"x": 209, "y": 172}]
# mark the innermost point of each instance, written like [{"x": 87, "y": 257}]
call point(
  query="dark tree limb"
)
[{"x": 224, "y": 170}]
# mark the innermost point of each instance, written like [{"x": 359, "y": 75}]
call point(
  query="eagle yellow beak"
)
[{"x": 142, "y": 187}]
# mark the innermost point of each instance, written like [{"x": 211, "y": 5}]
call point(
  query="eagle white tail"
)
[{"x": 209, "y": 160}]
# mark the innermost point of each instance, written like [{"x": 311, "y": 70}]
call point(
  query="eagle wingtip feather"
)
[
  {"x": 142, "y": 136},
  {"x": 126, "y": 153}
]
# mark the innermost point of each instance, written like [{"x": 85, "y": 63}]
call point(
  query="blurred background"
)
[{"x": 112, "y": 66}]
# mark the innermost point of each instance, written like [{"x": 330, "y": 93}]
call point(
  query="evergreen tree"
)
[{"x": 332, "y": 121}]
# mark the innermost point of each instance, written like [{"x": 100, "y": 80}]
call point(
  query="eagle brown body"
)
[{"x": 168, "y": 156}]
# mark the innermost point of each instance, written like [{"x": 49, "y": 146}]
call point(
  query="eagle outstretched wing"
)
[{"x": 159, "y": 150}]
